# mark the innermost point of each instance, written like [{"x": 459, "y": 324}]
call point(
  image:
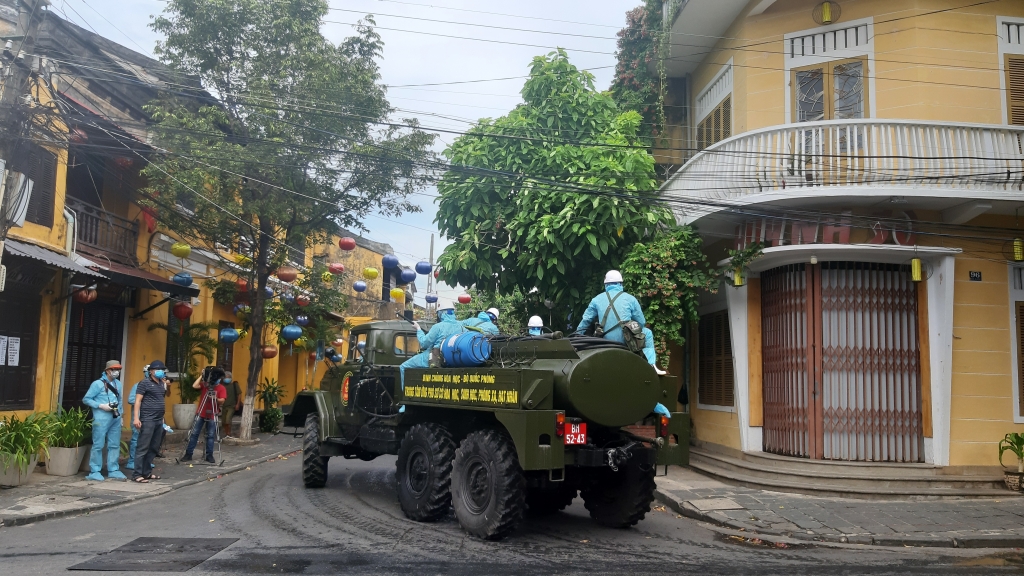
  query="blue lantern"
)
[
  {"x": 242, "y": 309},
  {"x": 268, "y": 291},
  {"x": 182, "y": 279},
  {"x": 288, "y": 297},
  {"x": 423, "y": 267},
  {"x": 336, "y": 359},
  {"x": 390, "y": 261},
  {"x": 359, "y": 286},
  {"x": 228, "y": 335},
  {"x": 407, "y": 276},
  {"x": 302, "y": 320},
  {"x": 431, "y": 298},
  {"x": 291, "y": 332},
  {"x": 330, "y": 352}
]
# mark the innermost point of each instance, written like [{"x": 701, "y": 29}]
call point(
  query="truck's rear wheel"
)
[
  {"x": 549, "y": 499},
  {"x": 314, "y": 466},
  {"x": 425, "y": 472},
  {"x": 620, "y": 499},
  {"x": 488, "y": 486}
]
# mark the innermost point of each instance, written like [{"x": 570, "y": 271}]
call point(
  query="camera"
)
[
  {"x": 113, "y": 409},
  {"x": 212, "y": 374}
]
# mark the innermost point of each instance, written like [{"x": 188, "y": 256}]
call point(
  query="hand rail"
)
[{"x": 105, "y": 232}]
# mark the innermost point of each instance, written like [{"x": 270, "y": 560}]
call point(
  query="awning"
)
[
  {"x": 15, "y": 248},
  {"x": 138, "y": 278}
]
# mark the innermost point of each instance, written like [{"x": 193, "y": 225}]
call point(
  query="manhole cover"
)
[{"x": 157, "y": 555}]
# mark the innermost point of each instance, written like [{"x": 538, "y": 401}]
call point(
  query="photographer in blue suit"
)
[{"x": 104, "y": 397}]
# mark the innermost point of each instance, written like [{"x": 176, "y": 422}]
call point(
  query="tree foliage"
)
[
  {"x": 639, "y": 68},
  {"x": 291, "y": 147},
  {"x": 521, "y": 220},
  {"x": 515, "y": 308}
]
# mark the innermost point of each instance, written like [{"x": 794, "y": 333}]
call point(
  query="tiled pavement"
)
[{"x": 959, "y": 523}]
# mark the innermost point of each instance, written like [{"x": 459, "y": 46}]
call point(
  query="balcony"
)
[
  {"x": 101, "y": 233},
  {"x": 852, "y": 158}
]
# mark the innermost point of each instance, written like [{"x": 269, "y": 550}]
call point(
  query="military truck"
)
[{"x": 542, "y": 421}]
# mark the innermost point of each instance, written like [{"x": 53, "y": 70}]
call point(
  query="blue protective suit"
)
[
  {"x": 626, "y": 305},
  {"x": 135, "y": 431},
  {"x": 649, "y": 352},
  {"x": 481, "y": 321},
  {"x": 448, "y": 326},
  {"x": 105, "y": 429}
]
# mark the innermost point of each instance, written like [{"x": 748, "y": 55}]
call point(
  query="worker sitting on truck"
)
[
  {"x": 446, "y": 326},
  {"x": 484, "y": 321},
  {"x": 613, "y": 310},
  {"x": 535, "y": 326}
]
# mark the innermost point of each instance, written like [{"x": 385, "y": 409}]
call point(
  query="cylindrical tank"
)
[
  {"x": 465, "y": 350},
  {"x": 610, "y": 387}
]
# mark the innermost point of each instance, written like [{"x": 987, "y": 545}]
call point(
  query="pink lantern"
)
[
  {"x": 336, "y": 268},
  {"x": 465, "y": 298}
]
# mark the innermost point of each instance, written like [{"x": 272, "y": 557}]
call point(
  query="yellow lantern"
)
[
  {"x": 242, "y": 260},
  {"x": 299, "y": 343},
  {"x": 370, "y": 273},
  {"x": 327, "y": 277},
  {"x": 398, "y": 295},
  {"x": 915, "y": 269},
  {"x": 737, "y": 277},
  {"x": 181, "y": 250},
  {"x": 1018, "y": 250}
]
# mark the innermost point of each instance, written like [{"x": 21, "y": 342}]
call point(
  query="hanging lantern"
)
[
  {"x": 398, "y": 295},
  {"x": 737, "y": 277},
  {"x": 228, "y": 335},
  {"x": 423, "y": 267},
  {"x": 242, "y": 310},
  {"x": 465, "y": 298},
  {"x": 182, "y": 279},
  {"x": 268, "y": 292},
  {"x": 407, "y": 276},
  {"x": 242, "y": 285},
  {"x": 437, "y": 272},
  {"x": 181, "y": 250},
  {"x": 288, "y": 297},
  {"x": 302, "y": 320},
  {"x": 337, "y": 359},
  {"x": 389, "y": 261},
  {"x": 182, "y": 311},
  {"x": 287, "y": 274},
  {"x": 269, "y": 351},
  {"x": 327, "y": 277},
  {"x": 328, "y": 352},
  {"x": 242, "y": 260},
  {"x": 370, "y": 273},
  {"x": 77, "y": 136},
  {"x": 300, "y": 342},
  {"x": 123, "y": 162},
  {"x": 431, "y": 298},
  {"x": 359, "y": 286},
  {"x": 347, "y": 243},
  {"x": 915, "y": 270},
  {"x": 291, "y": 332},
  {"x": 337, "y": 343},
  {"x": 302, "y": 300},
  {"x": 336, "y": 268},
  {"x": 1018, "y": 250},
  {"x": 312, "y": 355}
]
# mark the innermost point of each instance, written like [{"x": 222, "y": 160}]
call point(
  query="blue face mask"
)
[
  {"x": 534, "y": 331},
  {"x": 227, "y": 380},
  {"x": 159, "y": 374}
]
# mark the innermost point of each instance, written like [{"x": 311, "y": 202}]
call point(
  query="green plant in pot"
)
[
  {"x": 1013, "y": 442},
  {"x": 69, "y": 430},
  {"x": 21, "y": 442},
  {"x": 270, "y": 393}
]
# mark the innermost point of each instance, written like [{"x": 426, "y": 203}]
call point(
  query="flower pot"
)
[
  {"x": 1013, "y": 480},
  {"x": 65, "y": 461},
  {"x": 13, "y": 475},
  {"x": 183, "y": 414}
]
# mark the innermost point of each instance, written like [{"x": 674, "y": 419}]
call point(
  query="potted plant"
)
[
  {"x": 1013, "y": 442},
  {"x": 21, "y": 441},
  {"x": 190, "y": 341},
  {"x": 270, "y": 393},
  {"x": 68, "y": 431}
]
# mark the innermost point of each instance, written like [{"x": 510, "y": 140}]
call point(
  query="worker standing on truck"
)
[
  {"x": 535, "y": 326},
  {"x": 447, "y": 325},
  {"x": 484, "y": 321},
  {"x": 614, "y": 310}
]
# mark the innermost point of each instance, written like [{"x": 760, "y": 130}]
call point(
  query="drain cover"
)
[{"x": 157, "y": 555}]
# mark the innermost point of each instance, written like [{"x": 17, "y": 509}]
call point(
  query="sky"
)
[{"x": 447, "y": 63}]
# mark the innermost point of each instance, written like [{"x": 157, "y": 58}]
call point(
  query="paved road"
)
[{"x": 354, "y": 525}]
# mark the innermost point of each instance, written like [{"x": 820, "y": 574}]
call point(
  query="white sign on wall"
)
[
  {"x": 3, "y": 350},
  {"x": 13, "y": 350}
]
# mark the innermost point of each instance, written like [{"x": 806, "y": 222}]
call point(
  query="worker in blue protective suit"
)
[
  {"x": 626, "y": 308},
  {"x": 535, "y": 326},
  {"x": 446, "y": 326},
  {"x": 104, "y": 397},
  {"x": 484, "y": 321}
]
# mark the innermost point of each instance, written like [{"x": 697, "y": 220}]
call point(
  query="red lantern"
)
[
  {"x": 269, "y": 351},
  {"x": 242, "y": 285},
  {"x": 338, "y": 343},
  {"x": 85, "y": 296},
  {"x": 287, "y": 274},
  {"x": 336, "y": 268},
  {"x": 302, "y": 300},
  {"x": 312, "y": 356},
  {"x": 437, "y": 271},
  {"x": 347, "y": 243},
  {"x": 465, "y": 298},
  {"x": 182, "y": 311},
  {"x": 77, "y": 136},
  {"x": 123, "y": 162}
]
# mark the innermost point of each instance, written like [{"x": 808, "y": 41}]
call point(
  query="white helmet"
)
[
  {"x": 445, "y": 304},
  {"x": 535, "y": 322},
  {"x": 613, "y": 276},
  {"x": 494, "y": 312}
]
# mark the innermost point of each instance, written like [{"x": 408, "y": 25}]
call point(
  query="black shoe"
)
[
  {"x": 160, "y": 455},
  {"x": 186, "y": 458},
  {"x": 210, "y": 459}
]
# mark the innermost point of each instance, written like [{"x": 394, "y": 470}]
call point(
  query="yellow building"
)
[{"x": 855, "y": 141}]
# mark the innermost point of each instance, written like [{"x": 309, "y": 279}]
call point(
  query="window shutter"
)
[
  {"x": 1015, "y": 90},
  {"x": 1020, "y": 357},
  {"x": 727, "y": 118},
  {"x": 41, "y": 167},
  {"x": 715, "y": 372}
]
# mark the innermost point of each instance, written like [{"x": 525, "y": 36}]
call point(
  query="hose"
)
[{"x": 583, "y": 342}]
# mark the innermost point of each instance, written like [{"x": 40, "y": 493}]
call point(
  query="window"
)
[
  {"x": 1015, "y": 90},
  {"x": 355, "y": 351},
  {"x": 39, "y": 165},
  {"x": 406, "y": 345},
  {"x": 174, "y": 356},
  {"x": 832, "y": 91},
  {"x": 714, "y": 360},
  {"x": 716, "y": 126},
  {"x": 225, "y": 351}
]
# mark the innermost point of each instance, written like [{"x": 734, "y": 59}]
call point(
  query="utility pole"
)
[{"x": 430, "y": 277}]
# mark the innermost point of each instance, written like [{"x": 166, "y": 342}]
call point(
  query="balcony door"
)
[{"x": 841, "y": 372}]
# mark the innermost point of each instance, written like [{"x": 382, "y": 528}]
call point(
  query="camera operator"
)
[
  {"x": 149, "y": 420},
  {"x": 211, "y": 399},
  {"x": 104, "y": 397}
]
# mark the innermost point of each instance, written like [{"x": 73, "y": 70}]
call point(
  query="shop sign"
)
[{"x": 794, "y": 232}]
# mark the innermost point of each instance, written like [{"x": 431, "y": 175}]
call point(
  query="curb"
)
[
  {"x": 893, "y": 540},
  {"x": 31, "y": 519}
]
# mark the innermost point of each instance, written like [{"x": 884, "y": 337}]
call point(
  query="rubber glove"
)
[
  {"x": 401, "y": 409},
  {"x": 416, "y": 325},
  {"x": 660, "y": 409},
  {"x": 104, "y": 407},
  {"x": 168, "y": 429}
]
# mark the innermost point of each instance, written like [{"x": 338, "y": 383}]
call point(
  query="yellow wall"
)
[{"x": 712, "y": 426}]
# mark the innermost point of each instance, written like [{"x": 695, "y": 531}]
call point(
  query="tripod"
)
[{"x": 211, "y": 397}]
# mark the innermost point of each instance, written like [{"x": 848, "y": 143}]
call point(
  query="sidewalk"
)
[
  {"x": 47, "y": 497},
  {"x": 966, "y": 523}
]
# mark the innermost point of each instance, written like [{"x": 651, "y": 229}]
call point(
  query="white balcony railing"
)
[{"x": 892, "y": 155}]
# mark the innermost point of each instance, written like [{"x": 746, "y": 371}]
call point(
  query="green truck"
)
[{"x": 542, "y": 421}]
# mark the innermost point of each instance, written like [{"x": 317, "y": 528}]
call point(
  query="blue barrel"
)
[{"x": 465, "y": 350}]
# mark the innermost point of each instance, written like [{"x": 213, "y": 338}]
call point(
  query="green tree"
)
[
  {"x": 515, "y": 309},
  {"x": 517, "y": 207},
  {"x": 191, "y": 341},
  {"x": 639, "y": 69},
  {"x": 295, "y": 143}
]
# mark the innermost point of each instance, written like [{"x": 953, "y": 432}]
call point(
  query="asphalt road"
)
[{"x": 354, "y": 526}]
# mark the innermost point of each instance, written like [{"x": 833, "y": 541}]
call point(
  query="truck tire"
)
[
  {"x": 488, "y": 486},
  {"x": 545, "y": 501},
  {"x": 314, "y": 466},
  {"x": 424, "y": 472},
  {"x": 620, "y": 499}
]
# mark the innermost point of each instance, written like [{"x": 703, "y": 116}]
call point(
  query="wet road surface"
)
[{"x": 355, "y": 526}]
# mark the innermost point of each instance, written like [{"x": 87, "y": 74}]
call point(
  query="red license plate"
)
[{"x": 575, "y": 433}]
